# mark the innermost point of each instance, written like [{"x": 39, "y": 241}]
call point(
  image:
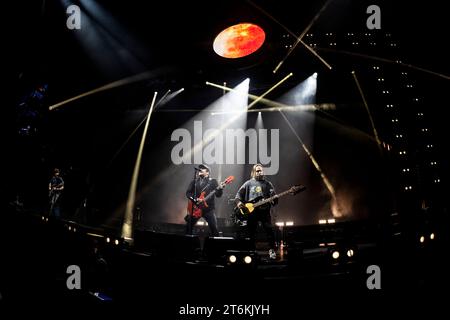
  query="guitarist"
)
[
  {"x": 55, "y": 188},
  {"x": 256, "y": 188},
  {"x": 203, "y": 185}
]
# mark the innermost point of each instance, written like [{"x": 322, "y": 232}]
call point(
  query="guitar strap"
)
[{"x": 206, "y": 186}]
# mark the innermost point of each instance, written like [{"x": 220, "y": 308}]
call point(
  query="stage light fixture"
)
[
  {"x": 238, "y": 258},
  {"x": 335, "y": 254}
]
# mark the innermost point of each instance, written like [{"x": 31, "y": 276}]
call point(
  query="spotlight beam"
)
[
  {"x": 316, "y": 54},
  {"x": 336, "y": 209},
  {"x": 365, "y": 56},
  {"x": 273, "y": 18},
  {"x": 257, "y": 98},
  {"x": 300, "y": 107},
  {"x": 302, "y": 35},
  {"x": 115, "y": 84},
  {"x": 277, "y": 106},
  {"x": 291, "y": 33},
  {"x": 311, "y": 157},
  {"x": 232, "y": 119},
  {"x": 343, "y": 124},
  {"x": 127, "y": 227},
  {"x": 251, "y": 105},
  {"x": 134, "y": 131},
  {"x": 165, "y": 98},
  {"x": 117, "y": 38},
  {"x": 162, "y": 98},
  {"x": 375, "y": 133}
]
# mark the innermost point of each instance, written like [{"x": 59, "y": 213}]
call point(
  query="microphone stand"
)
[{"x": 191, "y": 225}]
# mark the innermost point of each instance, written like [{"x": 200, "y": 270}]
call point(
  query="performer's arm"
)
[
  {"x": 190, "y": 190},
  {"x": 219, "y": 192},
  {"x": 240, "y": 196},
  {"x": 61, "y": 185},
  {"x": 272, "y": 193}
]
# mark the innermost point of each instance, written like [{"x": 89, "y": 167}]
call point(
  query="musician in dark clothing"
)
[
  {"x": 198, "y": 189},
  {"x": 258, "y": 187},
  {"x": 55, "y": 188}
]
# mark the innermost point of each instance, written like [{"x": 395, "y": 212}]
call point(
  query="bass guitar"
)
[
  {"x": 242, "y": 214},
  {"x": 196, "y": 206}
]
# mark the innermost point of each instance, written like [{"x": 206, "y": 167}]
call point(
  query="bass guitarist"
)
[
  {"x": 200, "y": 187},
  {"x": 258, "y": 187}
]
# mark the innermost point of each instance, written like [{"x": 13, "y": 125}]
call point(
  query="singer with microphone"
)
[{"x": 201, "y": 194}]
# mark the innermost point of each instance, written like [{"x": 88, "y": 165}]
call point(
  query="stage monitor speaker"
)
[
  {"x": 295, "y": 252},
  {"x": 173, "y": 247}
]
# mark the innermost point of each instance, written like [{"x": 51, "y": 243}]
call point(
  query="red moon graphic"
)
[{"x": 239, "y": 40}]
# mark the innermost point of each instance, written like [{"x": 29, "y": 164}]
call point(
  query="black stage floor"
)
[{"x": 162, "y": 268}]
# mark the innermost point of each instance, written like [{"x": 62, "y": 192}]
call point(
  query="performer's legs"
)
[
  {"x": 190, "y": 223},
  {"x": 210, "y": 217},
  {"x": 56, "y": 211},
  {"x": 266, "y": 221},
  {"x": 54, "y": 206},
  {"x": 252, "y": 223}
]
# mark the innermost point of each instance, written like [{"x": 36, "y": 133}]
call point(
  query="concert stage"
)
[
  {"x": 163, "y": 261},
  {"x": 319, "y": 120}
]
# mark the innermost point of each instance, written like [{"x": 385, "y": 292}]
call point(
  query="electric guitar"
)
[
  {"x": 243, "y": 213},
  {"x": 54, "y": 189},
  {"x": 196, "y": 206}
]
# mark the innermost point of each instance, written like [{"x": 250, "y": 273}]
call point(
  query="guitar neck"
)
[
  {"x": 260, "y": 203},
  {"x": 220, "y": 186},
  {"x": 211, "y": 194}
]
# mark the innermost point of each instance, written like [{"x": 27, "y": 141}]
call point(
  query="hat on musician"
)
[{"x": 204, "y": 166}]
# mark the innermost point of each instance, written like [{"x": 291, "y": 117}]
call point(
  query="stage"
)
[{"x": 165, "y": 262}]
